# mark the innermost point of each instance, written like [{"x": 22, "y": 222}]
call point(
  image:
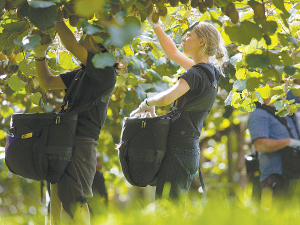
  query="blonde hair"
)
[{"x": 214, "y": 44}]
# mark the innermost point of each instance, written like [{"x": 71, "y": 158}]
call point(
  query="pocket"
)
[
  {"x": 290, "y": 162},
  {"x": 24, "y": 155},
  {"x": 59, "y": 148}
]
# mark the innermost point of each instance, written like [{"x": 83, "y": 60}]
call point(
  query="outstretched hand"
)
[
  {"x": 150, "y": 21},
  {"x": 40, "y": 50},
  {"x": 143, "y": 110},
  {"x": 294, "y": 143}
]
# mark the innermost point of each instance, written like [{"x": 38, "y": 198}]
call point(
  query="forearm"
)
[
  {"x": 43, "y": 73},
  {"x": 160, "y": 99},
  {"x": 65, "y": 34},
  {"x": 166, "y": 43},
  {"x": 268, "y": 145}
]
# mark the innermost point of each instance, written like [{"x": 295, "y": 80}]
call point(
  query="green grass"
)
[{"x": 215, "y": 209}]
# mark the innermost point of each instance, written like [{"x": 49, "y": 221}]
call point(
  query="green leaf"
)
[
  {"x": 267, "y": 39},
  {"x": 283, "y": 113},
  {"x": 296, "y": 89},
  {"x": 283, "y": 39},
  {"x": 252, "y": 83},
  {"x": 250, "y": 30},
  {"x": 43, "y": 18},
  {"x": 271, "y": 27},
  {"x": 240, "y": 84},
  {"x": 229, "y": 98},
  {"x": 287, "y": 60},
  {"x": 132, "y": 20},
  {"x": 36, "y": 98},
  {"x": 154, "y": 75},
  {"x": 161, "y": 86},
  {"x": 233, "y": 33},
  {"x": 247, "y": 105},
  {"x": 128, "y": 97},
  {"x": 121, "y": 36},
  {"x": 280, "y": 5},
  {"x": 29, "y": 42},
  {"x": 6, "y": 111},
  {"x": 275, "y": 98},
  {"x": 221, "y": 3},
  {"x": 278, "y": 104},
  {"x": 12, "y": 31},
  {"x": 16, "y": 84},
  {"x": 66, "y": 60},
  {"x": 41, "y": 4},
  {"x": 140, "y": 93},
  {"x": 257, "y": 60},
  {"x": 290, "y": 70},
  {"x": 293, "y": 40},
  {"x": 284, "y": 19},
  {"x": 274, "y": 59},
  {"x": 90, "y": 29},
  {"x": 146, "y": 86},
  {"x": 128, "y": 3},
  {"x": 272, "y": 74},
  {"x": 236, "y": 58},
  {"x": 102, "y": 60},
  {"x": 2, "y": 4}
]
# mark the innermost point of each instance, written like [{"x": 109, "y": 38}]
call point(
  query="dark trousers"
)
[
  {"x": 177, "y": 169},
  {"x": 277, "y": 183}
]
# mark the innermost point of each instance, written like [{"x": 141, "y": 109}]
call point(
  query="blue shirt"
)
[{"x": 262, "y": 124}]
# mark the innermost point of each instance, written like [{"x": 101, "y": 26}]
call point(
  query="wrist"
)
[
  {"x": 146, "y": 101},
  {"x": 40, "y": 58},
  {"x": 39, "y": 54}
]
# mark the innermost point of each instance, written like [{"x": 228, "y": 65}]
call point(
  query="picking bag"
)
[
  {"x": 290, "y": 158},
  {"x": 252, "y": 169},
  {"x": 39, "y": 145},
  {"x": 142, "y": 148}
]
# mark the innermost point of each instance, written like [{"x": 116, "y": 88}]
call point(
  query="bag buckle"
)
[
  {"x": 57, "y": 121},
  {"x": 25, "y": 136},
  {"x": 143, "y": 124}
]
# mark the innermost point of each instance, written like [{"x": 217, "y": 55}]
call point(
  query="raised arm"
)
[
  {"x": 171, "y": 50},
  {"x": 70, "y": 42}
]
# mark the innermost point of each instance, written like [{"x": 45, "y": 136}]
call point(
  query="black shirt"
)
[
  {"x": 187, "y": 128},
  {"x": 96, "y": 82}
]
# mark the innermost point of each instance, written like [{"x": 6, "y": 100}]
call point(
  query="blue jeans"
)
[{"x": 178, "y": 168}]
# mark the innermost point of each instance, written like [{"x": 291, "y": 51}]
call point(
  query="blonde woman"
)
[{"x": 195, "y": 90}]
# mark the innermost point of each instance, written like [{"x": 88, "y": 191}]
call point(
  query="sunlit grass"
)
[{"x": 214, "y": 209}]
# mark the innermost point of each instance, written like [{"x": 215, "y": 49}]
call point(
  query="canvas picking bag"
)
[
  {"x": 142, "y": 148},
  {"x": 39, "y": 145}
]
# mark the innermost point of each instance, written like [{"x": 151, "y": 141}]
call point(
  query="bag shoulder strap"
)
[
  {"x": 72, "y": 95},
  {"x": 73, "y": 90},
  {"x": 88, "y": 105},
  {"x": 272, "y": 111},
  {"x": 175, "y": 112}
]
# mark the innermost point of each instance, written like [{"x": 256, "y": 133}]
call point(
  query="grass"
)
[{"x": 214, "y": 209}]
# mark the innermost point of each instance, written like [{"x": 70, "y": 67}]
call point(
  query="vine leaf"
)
[
  {"x": 29, "y": 42},
  {"x": 103, "y": 59},
  {"x": 43, "y": 18},
  {"x": 36, "y": 98},
  {"x": 16, "y": 84},
  {"x": 12, "y": 31}
]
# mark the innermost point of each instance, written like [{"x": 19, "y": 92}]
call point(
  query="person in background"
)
[
  {"x": 269, "y": 136},
  {"x": 69, "y": 195},
  {"x": 196, "y": 86}
]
